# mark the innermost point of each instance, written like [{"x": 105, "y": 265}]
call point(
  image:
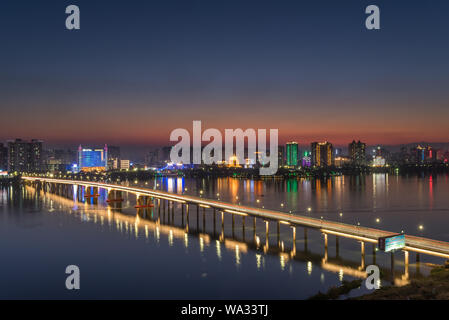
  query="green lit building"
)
[{"x": 292, "y": 153}]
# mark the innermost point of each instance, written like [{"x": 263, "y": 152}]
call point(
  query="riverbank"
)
[{"x": 433, "y": 287}]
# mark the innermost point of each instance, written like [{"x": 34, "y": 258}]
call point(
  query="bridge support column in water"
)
[
  {"x": 267, "y": 230},
  {"x": 279, "y": 233},
  {"x": 362, "y": 252},
  {"x": 243, "y": 228},
  {"x": 418, "y": 263},
  {"x": 305, "y": 239},
  {"x": 222, "y": 226},
  {"x": 337, "y": 246},
  {"x": 293, "y": 241},
  {"x": 233, "y": 224},
  {"x": 187, "y": 217},
  {"x": 168, "y": 210},
  {"x": 392, "y": 267},
  {"x": 197, "y": 217},
  {"x": 215, "y": 221},
  {"x": 204, "y": 219},
  {"x": 325, "y": 247},
  {"x": 406, "y": 262},
  {"x": 182, "y": 215}
]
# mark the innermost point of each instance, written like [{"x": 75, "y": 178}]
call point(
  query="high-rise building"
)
[
  {"x": 59, "y": 159},
  {"x": 92, "y": 159},
  {"x": 322, "y": 154},
  {"x": 124, "y": 164},
  {"x": 113, "y": 156},
  {"x": 307, "y": 159},
  {"x": 3, "y": 157},
  {"x": 423, "y": 154},
  {"x": 292, "y": 154},
  {"x": 25, "y": 156},
  {"x": 113, "y": 152},
  {"x": 357, "y": 152},
  {"x": 281, "y": 156}
]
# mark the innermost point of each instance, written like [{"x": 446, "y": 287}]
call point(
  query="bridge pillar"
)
[
  {"x": 325, "y": 240},
  {"x": 325, "y": 247},
  {"x": 243, "y": 228},
  {"x": 374, "y": 253},
  {"x": 204, "y": 219},
  {"x": 362, "y": 250},
  {"x": 267, "y": 238},
  {"x": 168, "y": 211},
  {"x": 203, "y": 211},
  {"x": 215, "y": 218},
  {"x": 197, "y": 217},
  {"x": 222, "y": 226},
  {"x": 305, "y": 239},
  {"x": 267, "y": 229},
  {"x": 187, "y": 215},
  {"x": 406, "y": 262},
  {"x": 182, "y": 215},
  {"x": 279, "y": 233},
  {"x": 392, "y": 267},
  {"x": 233, "y": 224},
  {"x": 294, "y": 241},
  {"x": 337, "y": 246}
]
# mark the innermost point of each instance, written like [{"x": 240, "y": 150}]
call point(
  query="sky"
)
[{"x": 138, "y": 69}]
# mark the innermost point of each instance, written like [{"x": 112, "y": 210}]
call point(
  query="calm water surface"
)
[{"x": 143, "y": 254}]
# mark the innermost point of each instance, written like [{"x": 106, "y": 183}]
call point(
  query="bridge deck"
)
[{"x": 413, "y": 243}]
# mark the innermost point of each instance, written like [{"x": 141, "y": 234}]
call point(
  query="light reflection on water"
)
[{"x": 203, "y": 260}]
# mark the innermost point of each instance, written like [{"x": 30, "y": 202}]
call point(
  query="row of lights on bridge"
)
[{"x": 309, "y": 209}]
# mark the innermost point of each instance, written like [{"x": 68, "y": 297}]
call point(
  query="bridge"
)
[
  {"x": 326, "y": 227},
  {"x": 144, "y": 223}
]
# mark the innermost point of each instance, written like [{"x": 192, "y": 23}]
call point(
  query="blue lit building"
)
[{"x": 92, "y": 159}]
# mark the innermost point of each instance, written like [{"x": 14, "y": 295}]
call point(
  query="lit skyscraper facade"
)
[
  {"x": 322, "y": 154},
  {"x": 25, "y": 156},
  {"x": 3, "y": 157},
  {"x": 292, "y": 154},
  {"x": 357, "y": 152},
  {"x": 92, "y": 159},
  {"x": 281, "y": 156},
  {"x": 306, "y": 159}
]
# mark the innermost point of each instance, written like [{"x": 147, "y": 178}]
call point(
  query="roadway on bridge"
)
[{"x": 413, "y": 243}]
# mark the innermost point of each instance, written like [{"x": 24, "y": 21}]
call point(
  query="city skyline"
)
[{"x": 132, "y": 75}]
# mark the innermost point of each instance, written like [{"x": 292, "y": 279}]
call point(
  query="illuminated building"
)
[
  {"x": 233, "y": 161},
  {"x": 338, "y": 152},
  {"x": 92, "y": 159},
  {"x": 292, "y": 154},
  {"x": 341, "y": 161},
  {"x": 307, "y": 159},
  {"x": 113, "y": 155},
  {"x": 24, "y": 156},
  {"x": 379, "y": 161},
  {"x": 322, "y": 154},
  {"x": 423, "y": 154},
  {"x": 124, "y": 164},
  {"x": 59, "y": 160},
  {"x": 357, "y": 152},
  {"x": 3, "y": 157},
  {"x": 281, "y": 156}
]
